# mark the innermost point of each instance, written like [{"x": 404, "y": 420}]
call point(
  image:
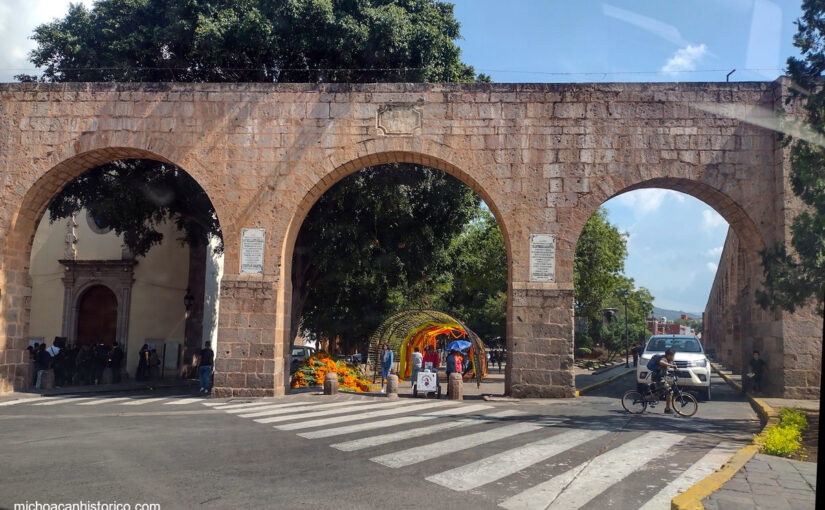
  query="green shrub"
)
[
  {"x": 781, "y": 441},
  {"x": 793, "y": 418},
  {"x": 583, "y": 351}
]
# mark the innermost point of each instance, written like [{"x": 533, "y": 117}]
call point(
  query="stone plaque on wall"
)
[
  {"x": 542, "y": 258},
  {"x": 398, "y": 119},
  {"x": 252, "y": 250}
]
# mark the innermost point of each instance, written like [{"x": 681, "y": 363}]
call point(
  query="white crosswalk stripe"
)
[
  {"x": 712, "y": 461},
  {"x": 68, "y": 400},
  {"x": 578, "y": 486},
  {"x": 322, "y": 422},
  {"x": 143, "y": 401},
  {"x": 303, "y": 414},
  {"x": 212, "y": 404},
  {"x": 291, "y": 408},
  {"x": 368, "y": 442},
  {"x": 437, "y": 449},
  {"x": 349, "y": 429},
  {"x": 103, "y": 401},
  {"x": 507, "y": 463},
  {"x": 184, "y": 401},
  {"x": 19, "y": 401},
  {"x": 225, "y": 406}
]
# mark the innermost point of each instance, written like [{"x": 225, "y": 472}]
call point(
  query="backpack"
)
[{"x": 653, "y": 364}]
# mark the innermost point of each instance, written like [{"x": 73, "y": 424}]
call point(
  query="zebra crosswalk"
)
[
  {"x": 66, "y": 400},
  {"x": 514, "y": 443}
]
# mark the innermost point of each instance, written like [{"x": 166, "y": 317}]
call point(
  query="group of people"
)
[
  {"x": 495, "y": 356},
  {"x": 72, "y": 365}
]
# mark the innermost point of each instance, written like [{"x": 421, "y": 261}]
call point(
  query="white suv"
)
[{"x": 692, "y": 366}]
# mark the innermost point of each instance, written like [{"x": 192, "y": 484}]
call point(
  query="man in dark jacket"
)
[
  {"x": 115, "y": 360},
  {"x": 42, "y": 363},
  {"x": 207, "y": 359}
]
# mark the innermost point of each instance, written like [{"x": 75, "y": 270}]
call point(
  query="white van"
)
[{"x": 692, "y": 366}]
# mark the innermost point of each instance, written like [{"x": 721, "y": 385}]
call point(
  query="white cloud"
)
[
  {"x": 644, "y": 201},
  {"x": 685, "y": 59},
  {"x": 712, "y": 267},
  {"x": 711, "y": 220},
  {"x": 18, "y": 18},
  {"x": 715, "y": 252}
]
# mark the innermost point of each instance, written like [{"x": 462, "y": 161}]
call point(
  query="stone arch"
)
[
  {"x": 37, "y": 189},
  {"x": 368, "y": 154}
]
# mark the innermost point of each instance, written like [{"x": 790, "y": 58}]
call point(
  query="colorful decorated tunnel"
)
[{"x": 409, "y": 329}]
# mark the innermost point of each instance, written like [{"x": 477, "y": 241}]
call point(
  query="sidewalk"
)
[{"x": 767, "y": 482}]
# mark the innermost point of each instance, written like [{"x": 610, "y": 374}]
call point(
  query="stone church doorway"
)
[{"x": 97, "y": 317}]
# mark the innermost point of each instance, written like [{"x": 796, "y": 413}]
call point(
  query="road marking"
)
[
  {"x": 341, "y": 410},
  {"x": 434, "y": 450},
  {"x": 223, "y": 406},
  {"x": 578, "y": 486},
  {"x": 211, "y": 404},
  {"x": 496, "y": 467},
  {"x": 700, "y": 469},
  {"x": 19, "y": 401},
  {"x": 141, "y": 401},
  {"x": 183, "y": 401},
  {"x": 393, "y": 422},
  {"x": 47, "y": 400},
  {"x": 359, "y": 416},
  {"x": 103, "y": 401},
  {"x": 64, "y": 401},
  {"x": 257, "y": 413},
  {"x": 367, "y": 442}
]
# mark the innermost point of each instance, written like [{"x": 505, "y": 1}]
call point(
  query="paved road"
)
[{"x": 347, "y": 451}]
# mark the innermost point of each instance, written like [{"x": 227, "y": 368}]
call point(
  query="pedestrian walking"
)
[
  {"x": 43, "y": 361},
  {"x": 207, "y": 360},
  {"x": 143, "y": 363},
  {"x": 386, "y": 363},
  {"x": 115, "y": 360},
  {"x": 417, "y": 360},
  {"x": 757, "y": 372}
]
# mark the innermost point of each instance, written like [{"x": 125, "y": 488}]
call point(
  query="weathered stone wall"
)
[{"x": 543, "y": 156}]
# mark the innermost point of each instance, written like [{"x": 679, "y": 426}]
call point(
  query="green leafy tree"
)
[
  {"x": 796, "y": 278},
  {"x": 639, "y": 306},
  {"x": 388, "y": 249},
  {"x": 479, "y": 278},
  {"x": 598, "y": 264}
]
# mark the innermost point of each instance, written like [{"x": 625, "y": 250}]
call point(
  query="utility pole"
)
[{"x": 626, "y": 349}]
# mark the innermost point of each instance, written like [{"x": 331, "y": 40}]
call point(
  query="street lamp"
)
[{"x": 625, "y": 295}]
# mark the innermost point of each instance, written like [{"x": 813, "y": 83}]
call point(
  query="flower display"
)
[{"x": 317, "y": 366}]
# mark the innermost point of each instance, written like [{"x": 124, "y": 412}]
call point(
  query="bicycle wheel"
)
[
  {"x": 633, "y": 402},
  {"x": 685, "y": 404}
]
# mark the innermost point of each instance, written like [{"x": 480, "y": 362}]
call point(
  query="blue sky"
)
[{"x": 674, "y": 240}]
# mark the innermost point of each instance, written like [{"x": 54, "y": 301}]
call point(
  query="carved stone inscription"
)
[{"x": 398, "y": 119}]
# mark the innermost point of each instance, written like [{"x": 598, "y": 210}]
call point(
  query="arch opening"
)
[
  {"x": 62, "y": 250},
  {"x": 396, "y": 168}
]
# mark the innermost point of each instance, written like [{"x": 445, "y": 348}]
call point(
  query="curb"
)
[
  {"x": 692, "y": 498},
  {"x": 599, "y": 384}
]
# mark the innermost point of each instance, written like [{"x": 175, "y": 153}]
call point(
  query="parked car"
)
[
  {"x": 692, "y": 365},
  {"x": 300, "y": 354}
]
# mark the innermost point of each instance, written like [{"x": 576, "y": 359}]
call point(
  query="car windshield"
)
[
  {"x": 298, "y": 352},
  {"x": 676, "y": 343}
]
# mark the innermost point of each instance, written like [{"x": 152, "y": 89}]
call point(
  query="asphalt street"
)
[{"x": 349, "y": 451}]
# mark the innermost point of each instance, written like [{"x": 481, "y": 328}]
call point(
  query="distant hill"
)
[{"x": 673, "y": 314}]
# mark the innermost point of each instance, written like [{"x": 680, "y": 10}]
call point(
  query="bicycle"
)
[{"x": 684, "y": 404}]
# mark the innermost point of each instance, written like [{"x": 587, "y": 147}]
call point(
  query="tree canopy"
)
[
  {"x": 597, "y": 266},
  {"x": 797, "y": 278},
  {"x": 252, "y": 41}
]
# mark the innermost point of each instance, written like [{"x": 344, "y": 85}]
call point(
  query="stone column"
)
[
  {"x": 245, "y": 362},
  {"x": 540, "y": 349}
]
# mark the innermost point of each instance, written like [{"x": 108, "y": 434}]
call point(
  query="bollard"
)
[
  {"x": 48, "y": 380},
  {"x": 455, "y": 387},
  {"x": 392, "y": 386},
  {"x": 331, "y": 384}
]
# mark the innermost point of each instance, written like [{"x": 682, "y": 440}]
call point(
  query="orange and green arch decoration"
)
[{"x": 409, "y": 329}]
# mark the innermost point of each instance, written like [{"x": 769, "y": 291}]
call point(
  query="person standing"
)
[
  {"x": 635, "y": 353},
  {"x": 417, "y": 362},
  {"x": 431, "y": 359},
  {"x": 42, "y": 361},
  {"x": 143, "y": 363},
  {"x": 386, "y": 363},
  {"x": 207, "y": 360},
  {"x": 757, "y": 365},
  {"x": 115, "y": 360}
]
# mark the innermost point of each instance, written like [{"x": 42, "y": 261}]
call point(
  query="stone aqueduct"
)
[{"x": 543, "y": 156}]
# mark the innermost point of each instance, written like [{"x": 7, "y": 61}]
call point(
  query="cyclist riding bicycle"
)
[{"x": 658, "y": 376}]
